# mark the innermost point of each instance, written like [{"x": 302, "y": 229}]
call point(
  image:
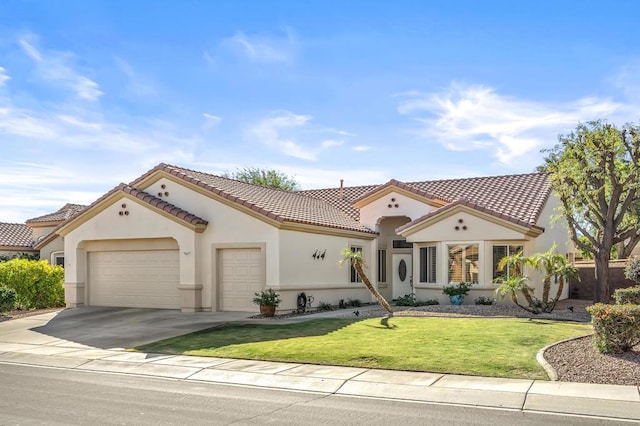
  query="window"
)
[
  {"x": 382, "y": 265},
  {"x": 57, "y": 259},
  {"x": 463, "y": 263},
  {"x": 398, "y": 244},
  {"x": 354, "y": 278},
  {"x": 428, "y": 264},
  {"x": 500, "y": 251}
]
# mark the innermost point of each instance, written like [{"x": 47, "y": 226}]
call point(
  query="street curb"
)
[{"x": 548, "y": 368}]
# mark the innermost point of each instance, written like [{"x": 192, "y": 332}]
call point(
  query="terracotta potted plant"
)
[{"x": 268, "y": 300}]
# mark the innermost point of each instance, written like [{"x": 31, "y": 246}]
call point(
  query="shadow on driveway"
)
[{"x": 107, "y": 328}]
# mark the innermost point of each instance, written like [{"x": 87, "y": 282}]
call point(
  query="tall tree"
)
[
  {"x": 595, "y": 170},
  {"x": 264, "y": 177}
]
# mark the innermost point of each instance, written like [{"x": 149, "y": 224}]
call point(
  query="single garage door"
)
[
  {"x": 136, "y": 279},
  {"x": 241, "y": 275}
]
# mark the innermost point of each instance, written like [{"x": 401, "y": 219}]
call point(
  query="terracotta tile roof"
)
[
  {"x": 61, "y": 215},
  {"x": 282, "y": 206},
  {"x": 518, "y": 197},
  {"x": 471, "y": 205},
  {"x": 16, "y": 235}
]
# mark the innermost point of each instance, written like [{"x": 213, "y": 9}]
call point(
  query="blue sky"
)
[{"x": 94, "y": 93}]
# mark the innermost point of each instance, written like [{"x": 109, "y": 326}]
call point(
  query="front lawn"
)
[{"x": 476, "y": 346}]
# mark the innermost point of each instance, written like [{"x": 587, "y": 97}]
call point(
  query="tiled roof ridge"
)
[
  {"x": 164, "y": 166},
  {"x": 511, "y": 175},
  {"x": 467, "y": 203},
  {"x": 62, "y": 214},
  {"x": 406, "y": 187},
  {"x": 163, "y": 205}
]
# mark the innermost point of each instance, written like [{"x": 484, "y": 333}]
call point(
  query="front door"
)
[{"x": 402, "y": 274}]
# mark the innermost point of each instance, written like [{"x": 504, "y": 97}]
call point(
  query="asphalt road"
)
[{"x": 44, "y": 396}]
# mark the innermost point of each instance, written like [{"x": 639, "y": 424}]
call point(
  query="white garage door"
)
[
  {"x": 241, "y": 275},
  {"x": 136, "y": 279}
]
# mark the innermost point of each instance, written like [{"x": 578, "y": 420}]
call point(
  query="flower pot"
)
[
  {"x": 267, "y": 310},
  {"x": 457, "y": 299}
]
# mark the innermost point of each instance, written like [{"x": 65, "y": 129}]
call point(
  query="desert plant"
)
[
  {"x": 354, "y": 303},
  {"x": 37, "y": 283},
  {"x": 7, "y": 299},
  {"x": 616, "y": 327},
  {"x": 632, "y": 269},
  {"x": 428, "y": 302},
  {"x": 483, "y": 300},
  {"x": 406, "y": 300},
  {"x": 627, "y": 295}
]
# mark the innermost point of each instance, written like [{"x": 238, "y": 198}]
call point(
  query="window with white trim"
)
[
  {"x": 57, "y": 258},
  {"x": 353, "y": 274},
  {"x": 463, "y": 263},
  {"x": 428, "y": 264},
  {"x": 500, "y": 251}
]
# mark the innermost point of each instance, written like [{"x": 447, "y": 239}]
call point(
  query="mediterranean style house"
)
[{"x": 181, "y": 239}]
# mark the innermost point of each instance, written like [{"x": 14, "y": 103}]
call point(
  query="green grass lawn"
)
[{"x": 476, "y": 346}]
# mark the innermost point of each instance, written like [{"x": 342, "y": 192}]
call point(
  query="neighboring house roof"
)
[
  {"x": 65, "y": 213},
  {"x": 275, "y": 204},
  {"x": 15, "y": 236},
  {"x": 516, "y": 197}
]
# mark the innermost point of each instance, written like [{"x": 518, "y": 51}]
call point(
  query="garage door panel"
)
[
  {"x": 145, "y": 279},
  {"x": 242, "y": 275}
]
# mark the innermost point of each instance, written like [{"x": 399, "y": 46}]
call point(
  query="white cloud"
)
[
  {"x": 261, "y": 48},
  {"x": 57, "y": 67},
  {"x": 361, "y": 148},
  {"x": 210, "y": 121},
  {"x": 138, "y": 85},
  {"x": 285, "y": 130},
  {"x": 473, "y": 117},
  {"x": 4, "y": 77}
]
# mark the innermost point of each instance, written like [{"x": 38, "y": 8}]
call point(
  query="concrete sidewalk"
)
[{"x": 621, "y": 402}]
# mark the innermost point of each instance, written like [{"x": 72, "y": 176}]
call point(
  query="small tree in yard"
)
[
  {"x": 632, "y": 270},
  {"x": 356, "y": 259},
  {"x": 595, "y": 171}
]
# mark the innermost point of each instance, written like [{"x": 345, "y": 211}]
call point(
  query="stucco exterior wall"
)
[
  {"x": 406, "y": 206},
  {"x": 57, "y": 245}
]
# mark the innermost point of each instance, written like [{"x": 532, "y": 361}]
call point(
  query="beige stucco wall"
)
[
  {"x": 407, "y": 206},
  {"x": 55, "y": 246},
  {"x": 40, "y": 231},
  {"x": 325, "y": 280}
]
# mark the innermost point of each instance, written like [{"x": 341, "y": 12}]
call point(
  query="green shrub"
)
[
  {"x": 627, "y": 295},
  {"x": 7, "y": 299},
  {"x": 37, "y": 283},
  {"x": 617, "y": 327},
  {"x": 483, "y": 300},
  {"x": 632, "y": 269},
  {"x": 410, "y": 300},
  {"x": 355, "y": 303}
]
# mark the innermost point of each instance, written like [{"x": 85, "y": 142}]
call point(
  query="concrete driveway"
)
[{"x": 109, "y": 328}]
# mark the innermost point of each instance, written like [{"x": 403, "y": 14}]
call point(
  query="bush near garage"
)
[
  {"x": 7, "y": 299},
  {"x": 616, "y": 327},
  {"x": 37, "y": 283}
]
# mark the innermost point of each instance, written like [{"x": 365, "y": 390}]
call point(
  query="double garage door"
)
[
  {"x": 150, "y": 278},
  {"x": 135, "y": 279}
]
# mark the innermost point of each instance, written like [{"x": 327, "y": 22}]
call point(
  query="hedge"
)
[
  {"x": 7, "y": 299},
  {"x": 617, "y": 327},
  {"x": 627, "y": 295},
  {"x": 37, "y": 283}
]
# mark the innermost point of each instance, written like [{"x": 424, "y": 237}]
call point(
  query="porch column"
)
[{"x": 190, "y": 275}]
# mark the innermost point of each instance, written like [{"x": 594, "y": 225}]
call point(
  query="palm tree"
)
[
  {"x": 554, "y": 266},
  {"x": 514, "y": 281},
  {"x": 356, "y": 259}
]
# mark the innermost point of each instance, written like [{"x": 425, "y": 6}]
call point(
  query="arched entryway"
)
[{"x": 395, "y": 266}]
